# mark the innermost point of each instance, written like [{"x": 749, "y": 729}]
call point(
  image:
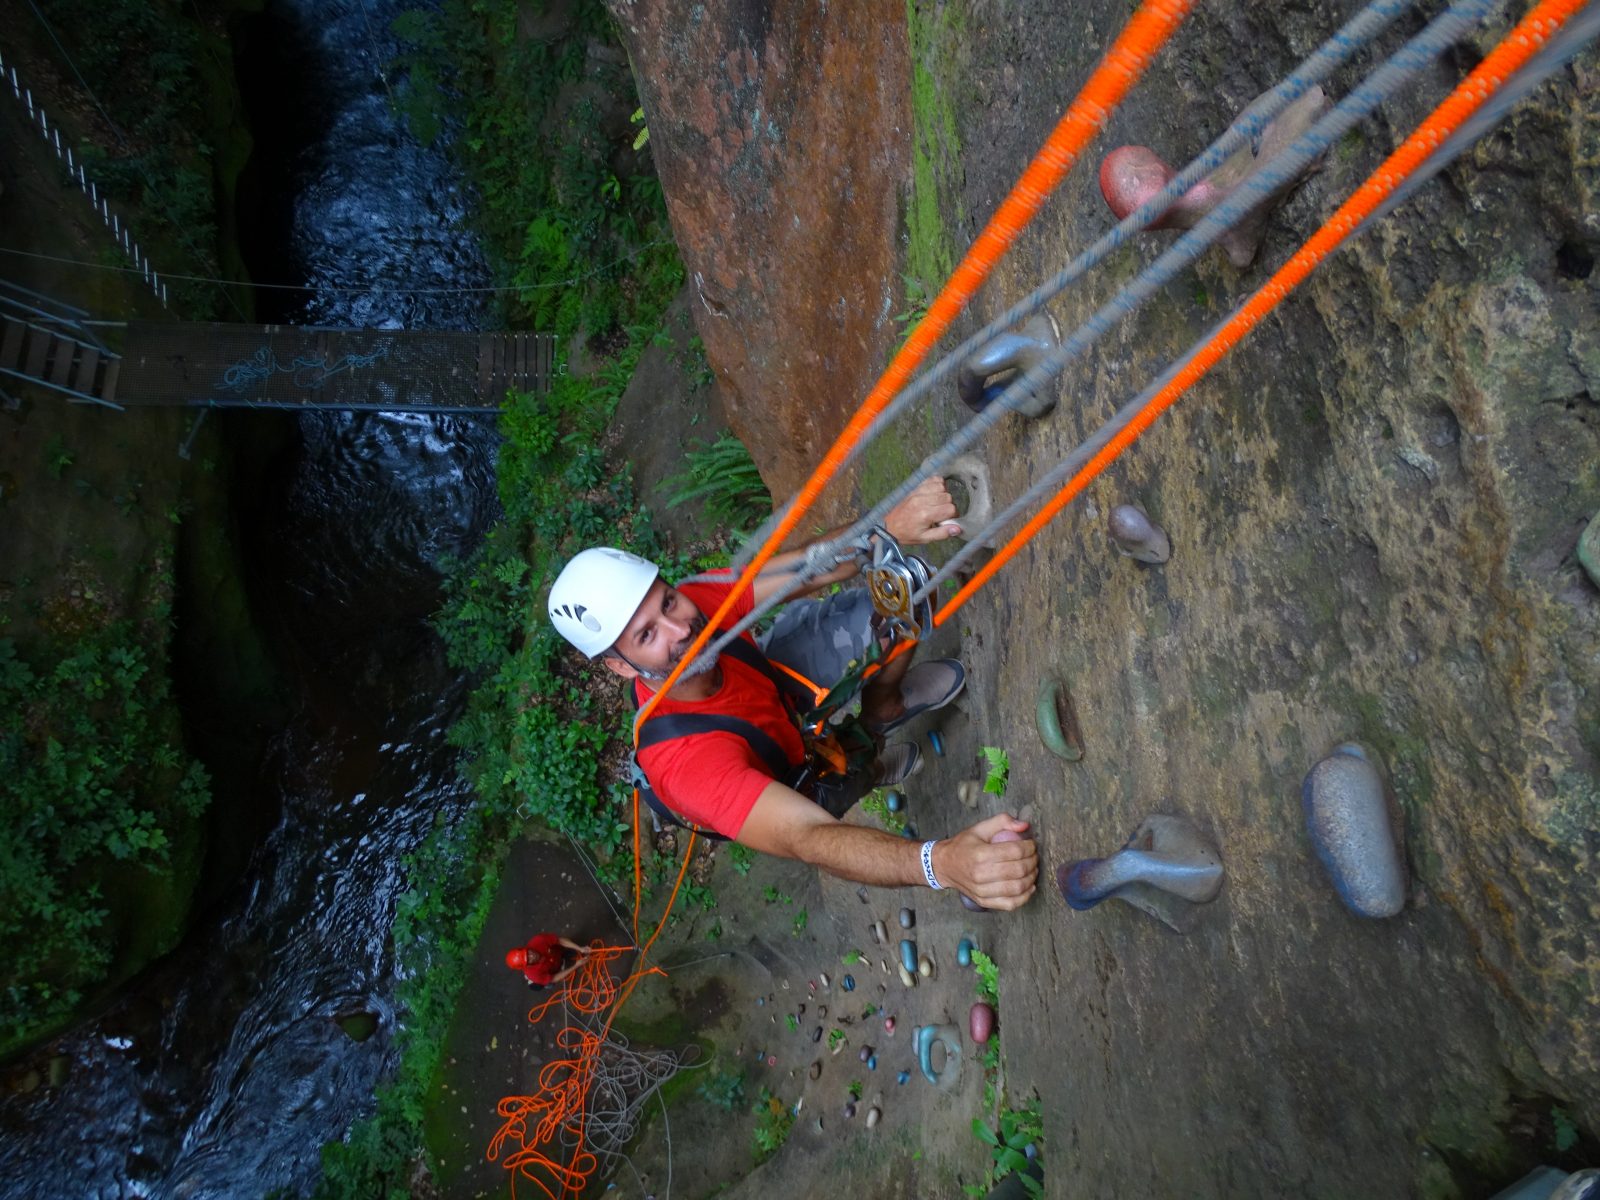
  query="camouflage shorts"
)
[{"x": 821, "y": 638}]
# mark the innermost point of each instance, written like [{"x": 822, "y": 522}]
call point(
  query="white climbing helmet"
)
[{"x": 596, "y": 595}]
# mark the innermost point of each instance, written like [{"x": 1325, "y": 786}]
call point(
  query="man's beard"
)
[{"x": 706, "y": 662}]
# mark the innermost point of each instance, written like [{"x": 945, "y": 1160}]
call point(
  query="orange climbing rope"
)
[
  {"x": 1515, "y": 49},
  {"x": 1146, "y": 32},
  {"x": 560, "y": 1106}
]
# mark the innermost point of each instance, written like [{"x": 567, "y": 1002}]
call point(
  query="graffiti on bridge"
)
[{"x": 307, "y": 372}]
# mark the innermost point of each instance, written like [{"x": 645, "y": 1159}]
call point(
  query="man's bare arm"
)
[
  {"x": 999, "y": 875},
  {"x": 926, "y": 515}
]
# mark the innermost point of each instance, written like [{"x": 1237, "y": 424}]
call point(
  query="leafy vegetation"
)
[
  {"x": 723, "y": 475},
  {"x": 724, "y": 1089},
  {"x": 1018, "y": 1129},
  {"x": 148, "y": 69},
  {"x": 987, "y": 976},
  {"x": 774, "y": 1120},
  {"x": 94, "y": 780},
  {"x": 999, "y": 763}
]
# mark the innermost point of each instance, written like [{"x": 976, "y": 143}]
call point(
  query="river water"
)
[{"x": 222, "y": 1071}]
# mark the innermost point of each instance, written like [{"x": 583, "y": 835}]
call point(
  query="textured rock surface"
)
[
  {"x": 779, "y": 132},
  {"x": 1378, "y": 499}
]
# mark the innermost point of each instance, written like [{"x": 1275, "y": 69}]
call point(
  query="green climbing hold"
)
[
  {"x": 1058, "y": 724},
  {"x": 1589, "y": 550}
]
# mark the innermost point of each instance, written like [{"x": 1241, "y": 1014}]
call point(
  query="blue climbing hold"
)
[
  {"x": 936, "y": 740},
  {"x": 872, "y": 1062},
  {"x": 964, "y": 952},
  {"x": 903, "y": 1078},
  {"x": 848, "y": 983},
  {"x": 908, "y": 955},
  {"x": 894, "y": 801}
]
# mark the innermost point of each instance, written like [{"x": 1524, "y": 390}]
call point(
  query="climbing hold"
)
[
  {"x": 980, "y": 1022},
  {"x": 903, "y": 1078},
  {"x": 972, "y": 475},
  {"x": 971, "y": 905},
  {"x": 866, "y": 1053},
  {"x": 1130, "y": 175},
  {"x": 964, "y": 952},
  {"x": 1135, "y": 535},
  {"x": 1166, "y": 860},
  {"x": 894, "y": 801},
  {"x": 1353, "y": 834},
  {"x": 834, "y": 1047},
  {"x": 874, "y": 1115},
  {"x": 907, "y": 918},
  {"x": 925, "y": 966},
  {"x": 969, "y": 792},
  {"x": 907, "y": 979},
  {"x": 772, "y": 1060},
  {"x": 761, "y": 1001},
  {"x": 947, "y": 1036},
  {"x": 1057, "y": 721},
  {"x": 883, "y": 965},
  {"x": 822, "y": 1011},
  {"x": 908, "y": 954},
  {"x": 816, "y": 1034},
  {"x": 801, "y": 1011},
  {"x": 936, "y": 740},
  {"x": 879, "y": 933},
  {"x": 816, "y": 1068},
  {"x": 849, "y": 1109},
  {"x": 1589, "y": 549},
  {"x": 982, "y": 379},
  {"x": 888, "y": 1026},
  {"x": 823, "y": 979},
  {"x": 848, "y": 983},
  {"x": 911, "y": 832}
]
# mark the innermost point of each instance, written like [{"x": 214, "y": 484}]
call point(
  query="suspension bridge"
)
[{"x": 132, "y": 364}]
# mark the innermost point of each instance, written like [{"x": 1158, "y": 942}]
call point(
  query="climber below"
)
[{"x": 725, "y": 749}]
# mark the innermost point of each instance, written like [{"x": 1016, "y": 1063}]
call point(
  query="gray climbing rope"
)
[
  {"x": 1385, "y": 81},
  {"x": 1561, "y": 51},
  {"x": 1246, "y": 128}
]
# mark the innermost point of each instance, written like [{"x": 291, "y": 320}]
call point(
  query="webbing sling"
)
[{"x": 668, "y": 726}]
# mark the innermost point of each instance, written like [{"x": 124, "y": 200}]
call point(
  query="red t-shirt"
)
[
  {"x": 713, "y": 779},
  {"x": 546, "y": 956}
]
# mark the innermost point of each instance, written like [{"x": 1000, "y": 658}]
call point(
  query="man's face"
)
[{"x": 655, "y": 640}]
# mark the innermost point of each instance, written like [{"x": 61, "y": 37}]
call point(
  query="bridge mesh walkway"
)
[{"x": 292, "y": 366}]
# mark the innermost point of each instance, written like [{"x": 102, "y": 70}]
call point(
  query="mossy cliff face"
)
[
  {"x": 1374, "y": 504},
  {"x": 779, "y": 134}
]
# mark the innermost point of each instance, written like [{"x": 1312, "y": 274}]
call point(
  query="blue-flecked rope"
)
[
  {"x": 1249, "y": 126},
  {"x": 1562, "y": 49}
]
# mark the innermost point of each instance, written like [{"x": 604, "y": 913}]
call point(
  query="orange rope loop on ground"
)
[{"x": 1521, "y": 44}]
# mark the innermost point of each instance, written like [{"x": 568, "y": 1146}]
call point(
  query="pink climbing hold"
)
[{"x": 980, "y": 1022}]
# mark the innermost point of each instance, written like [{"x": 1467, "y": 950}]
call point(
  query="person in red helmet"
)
[{"x": 546, "y": 959}]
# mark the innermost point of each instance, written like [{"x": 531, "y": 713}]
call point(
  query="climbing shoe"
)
[
  {"x": 927, "y": 686},
  {"x": 898, "y": 762}
]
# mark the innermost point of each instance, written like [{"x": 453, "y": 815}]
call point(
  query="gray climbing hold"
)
[
  {"x": 1136, "y": 536},
  {"x": 907, "y": 918},
  {"x": 1347, "y": 816},
  {"x": 986, "y": 376},
  {"x": 970, "y": 472},
  {"x": 1166, "y": 866}
]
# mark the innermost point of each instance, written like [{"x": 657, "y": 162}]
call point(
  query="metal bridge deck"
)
[{"x": 296, "y": 367}]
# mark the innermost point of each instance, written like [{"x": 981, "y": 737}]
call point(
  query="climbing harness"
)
[{"x": 837, "y": 747}]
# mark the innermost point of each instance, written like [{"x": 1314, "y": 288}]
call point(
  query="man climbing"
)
[{"x": 751, "y": 778}]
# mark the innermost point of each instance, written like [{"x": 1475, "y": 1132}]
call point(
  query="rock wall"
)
[
  {"x": 778, "y": 131},
  {"x": 1374, "y": 503}
]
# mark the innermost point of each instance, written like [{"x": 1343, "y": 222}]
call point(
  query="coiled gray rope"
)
[{"x": 1562, "y": 49}]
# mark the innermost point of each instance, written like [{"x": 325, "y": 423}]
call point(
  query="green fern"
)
[{"x": 723, "y": 476}]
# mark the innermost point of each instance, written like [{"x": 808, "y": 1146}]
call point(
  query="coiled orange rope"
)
[{"x": 1514, "y": 50}]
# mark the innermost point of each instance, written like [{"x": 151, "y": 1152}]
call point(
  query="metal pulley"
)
[{"x": 893, "y": 579}]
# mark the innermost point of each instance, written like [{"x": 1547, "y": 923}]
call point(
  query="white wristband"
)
[{"x": 927, "y": 865}]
